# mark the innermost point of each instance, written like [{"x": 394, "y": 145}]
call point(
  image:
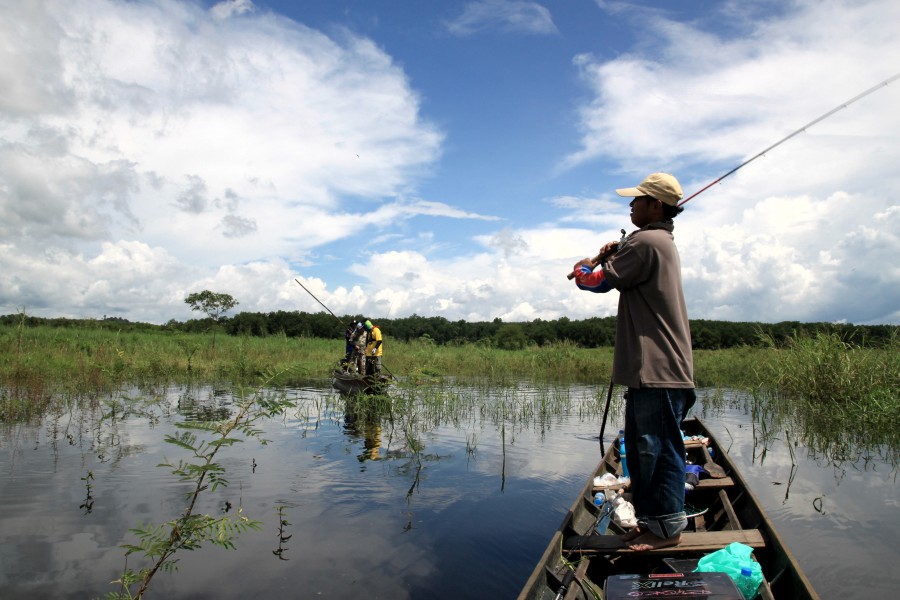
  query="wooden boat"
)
[
  {"x": 354, "y": 383},
  {"x": 579, "y": 559}
]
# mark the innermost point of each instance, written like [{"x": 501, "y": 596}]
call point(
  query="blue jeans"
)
[{"x": 654, "y": 450}]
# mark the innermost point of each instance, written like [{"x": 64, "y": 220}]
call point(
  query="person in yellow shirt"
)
[{"x": 374, "y": 349}]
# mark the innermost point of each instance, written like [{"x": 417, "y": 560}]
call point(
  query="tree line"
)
[{"x": 589, "y": 333}]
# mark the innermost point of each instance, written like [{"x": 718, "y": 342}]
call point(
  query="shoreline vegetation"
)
[{"x": 815, "y": 380}]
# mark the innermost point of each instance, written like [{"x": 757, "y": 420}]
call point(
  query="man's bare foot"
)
[
  {"x": 631, "y": 534},
  {"x": 650, "y": 541}
]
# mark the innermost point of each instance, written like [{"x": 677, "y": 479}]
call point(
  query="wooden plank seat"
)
[
  {"x": 724, "y": 482},
  {"x": 700, "y": 541},
  {"x": 715, "y": 483}
]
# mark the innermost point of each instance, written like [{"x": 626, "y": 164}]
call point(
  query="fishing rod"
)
[
  {"x": 871, "y": 90},
  {"x": 596, "y": 260},
  {"x": 319, "y": 301},
  {"x": 606, "y": 410}
]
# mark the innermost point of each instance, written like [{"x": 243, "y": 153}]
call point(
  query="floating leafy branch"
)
[{"x": 158, "y": 544}]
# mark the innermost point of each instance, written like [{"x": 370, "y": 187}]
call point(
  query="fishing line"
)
[{"x": 872, "y": 89}]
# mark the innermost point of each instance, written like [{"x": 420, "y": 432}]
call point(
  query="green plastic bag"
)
[{"x": 731, "y": 559}]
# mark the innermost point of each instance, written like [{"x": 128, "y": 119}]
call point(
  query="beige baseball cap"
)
[{"x": 662, "y": 186}]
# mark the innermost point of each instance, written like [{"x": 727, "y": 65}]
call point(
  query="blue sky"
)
[{"x": 443, "y": 158}]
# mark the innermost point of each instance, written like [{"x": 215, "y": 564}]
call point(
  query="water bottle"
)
[
  {"x": 746, "y": 583},
  {"x": 622, "y": 453},
  {"x": 605, "y": 512}
]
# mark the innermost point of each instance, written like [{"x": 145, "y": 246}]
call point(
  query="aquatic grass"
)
[
  {"x": 826, "y": 368},
  {"x": 83, "y": 360},
  {"x": 833, "y": 381},
  {"x": 732, "y": 368},
  {"x": 840, "y": 398},
  {"x": 412, "y": 410}
]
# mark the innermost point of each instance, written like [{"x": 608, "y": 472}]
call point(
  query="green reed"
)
[
  {"x": 37, "y": 363},
  {"x": 841, "y": 399},
  {"x": 45, "y": 360},
  {"x": 826, "y": 369}
]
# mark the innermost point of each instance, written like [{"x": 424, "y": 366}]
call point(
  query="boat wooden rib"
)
[
  {"x": 579, "y": 559},
  {"x": 354, "y": 383}
]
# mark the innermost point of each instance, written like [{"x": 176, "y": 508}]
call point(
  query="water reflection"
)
[
  {"x": 409, "y": 498},
  {"x": 363, "y": 417},
  {"x": 214, "y": 406}
]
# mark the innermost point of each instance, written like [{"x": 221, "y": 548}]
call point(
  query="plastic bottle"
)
[
  {"x": 622, "y": 453},
  {"x": 746, "y": 583},
  {"x": 605, "y": 512}
]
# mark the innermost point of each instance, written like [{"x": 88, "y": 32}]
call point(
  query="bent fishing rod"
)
[
  {"x": 871, "y": 90},
  {"x": 596, "y": 260}
]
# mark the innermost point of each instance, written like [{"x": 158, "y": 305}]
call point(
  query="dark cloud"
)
[
  {"x": 194, "y": 199},
  {"x": 235, "y": 226}
]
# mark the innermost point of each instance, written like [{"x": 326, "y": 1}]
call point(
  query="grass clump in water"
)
[{"x": 836, "y": 390}]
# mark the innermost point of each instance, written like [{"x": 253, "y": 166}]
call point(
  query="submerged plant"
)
[
  {"x": 88, "y": 504},
  {"x": 283, "y": 536},
  {"x": 158, "y": 544}
]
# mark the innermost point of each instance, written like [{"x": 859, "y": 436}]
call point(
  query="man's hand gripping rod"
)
[{"x": 603, "y": 255}]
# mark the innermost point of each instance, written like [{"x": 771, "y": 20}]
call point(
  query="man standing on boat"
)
[
  {"x": 358, "y": 355},
  {"x": 374, "y": 349},
  {"x": 652, "y": 356},
  {"x": 348, "y": 347}
]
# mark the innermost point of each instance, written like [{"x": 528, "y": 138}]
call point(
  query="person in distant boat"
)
[
  {"x": 652, "y": 356},
  {"x": 358, "y": 354},
  {"x": 374, "y": 349},
  {"x": 348, "y": 346}
]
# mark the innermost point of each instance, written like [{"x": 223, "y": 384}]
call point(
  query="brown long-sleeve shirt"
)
[{"x": 653, "y": 337}]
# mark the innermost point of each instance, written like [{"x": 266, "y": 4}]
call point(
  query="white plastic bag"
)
[
  {"x": 623, "y": 514},
  {"x": 605, "y": 480}
]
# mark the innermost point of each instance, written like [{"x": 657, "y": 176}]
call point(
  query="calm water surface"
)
[{"x": 465, "y": 516}]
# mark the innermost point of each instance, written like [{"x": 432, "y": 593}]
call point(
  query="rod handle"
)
[
  {"x": 594, "y": 262},
  {"x": 597, "y": 259}
]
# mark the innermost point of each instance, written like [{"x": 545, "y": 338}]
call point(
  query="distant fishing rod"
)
[
  {"x": 596, "y": 260},
  {"x": 319, "y": 301}
]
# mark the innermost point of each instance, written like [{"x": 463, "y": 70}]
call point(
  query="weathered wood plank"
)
[
  {"x": 729, "y": 509},
  {"x": 715, "y": 483},
  {"x": 573, "y": 590},
  {"x": 700, "y": 541},
  {"x": 704, "y": 484}
]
